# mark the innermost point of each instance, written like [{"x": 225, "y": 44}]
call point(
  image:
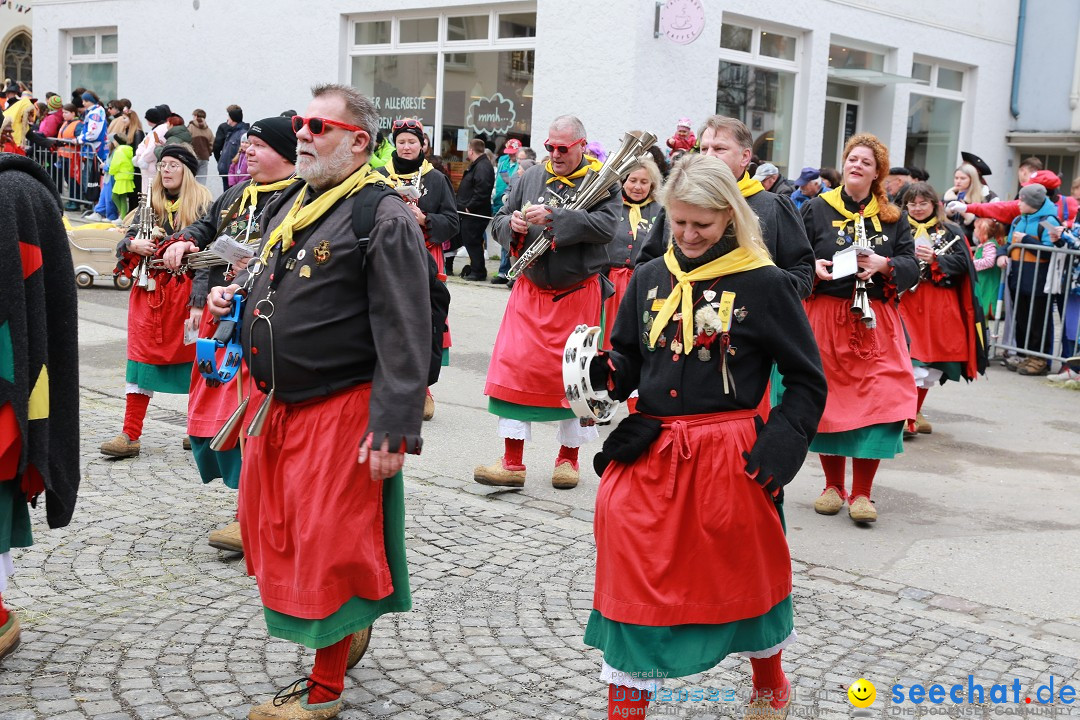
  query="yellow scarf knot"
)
[
  {"x": 749, "y": 186},
  {"x": 635, "y": 214},
  {"x": 682, "y": 295},
  {"x": 568, "y": 180},
  {"x": 836, "y": 202},
  {"x": 922, "y": 229},
  {"x": 395, "y": 177},
  {"x": 251, "y": 192}
]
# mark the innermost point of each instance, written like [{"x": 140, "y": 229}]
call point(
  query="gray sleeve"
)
[
  {"x": 200, "y": 288},
  {"x": 400, "y": 317},
  {"x": 595, "y": 226}
]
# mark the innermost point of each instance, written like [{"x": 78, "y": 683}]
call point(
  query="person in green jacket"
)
[{"x": 122, "y": 170}]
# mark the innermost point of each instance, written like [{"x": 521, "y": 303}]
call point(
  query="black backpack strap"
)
[{"x": 364, "y": 207}]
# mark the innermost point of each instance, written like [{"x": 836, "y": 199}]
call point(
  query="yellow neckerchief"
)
[
  {"x": 921, "y": 228},
  {"x": 635, "y": 213},
  {"x": 836, "y": 202},
  {"x": 18, "y": 114},
  {"x": 591, "y": 163},
  {"x": 749, "y": 186},
  {"x": 301, "y": 216},
  {"x": 394, "y": 176},
  {"x": 170, "y": 210},
  {"x": 738, "y": 260},
  {"x": 251, "y": 192}
]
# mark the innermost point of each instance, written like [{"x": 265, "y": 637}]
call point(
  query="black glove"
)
[
  {"x": 598, "y": 372},
  {"x": 600, "y": 462},
  {"x": 777, "y": 454},
  {"x": 631, "y": 438}
]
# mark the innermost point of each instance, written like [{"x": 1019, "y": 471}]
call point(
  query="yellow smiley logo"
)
[{"x": 862, "y": 693}]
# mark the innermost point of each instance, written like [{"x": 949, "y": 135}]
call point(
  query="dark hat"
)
[
  {"x": 807, "y": 174},
  {"x": 899, "y": 171},
  {"x": 976, "y": 162},
  {"x": 12, "y": 88},
  {"x": 276, "y": 132},
  {"x": 183, "y": 153},
  {"x": 157, "y": 114},
  {"x": 1047, "y": 179},
  {"x": 411, "y": 126},
  {"x": 1033, "y": 195}
]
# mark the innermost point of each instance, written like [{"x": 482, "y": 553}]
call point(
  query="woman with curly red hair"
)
[{"x": 867, "y": 367}]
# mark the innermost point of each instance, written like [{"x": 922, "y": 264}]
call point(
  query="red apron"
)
[
  {"x": 440, "y": 262},
  {"x": 683, "y": 535},
  {"x": 156, "y": 322},
  {"x": 868, "y": 371},
  {"x": 934, "y": 322},
  {"x": 620, "y": 278},
  {"x": 526, "y": 363},
  {"x": 210, "y": 407},
  {"x": 310, "y": 515}
]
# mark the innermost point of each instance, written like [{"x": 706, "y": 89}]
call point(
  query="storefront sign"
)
[{"x": 492, "y": 116}]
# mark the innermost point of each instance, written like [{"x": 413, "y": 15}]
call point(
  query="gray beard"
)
[{"x": 324, "y": 172}]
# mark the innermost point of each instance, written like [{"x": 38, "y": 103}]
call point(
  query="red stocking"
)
[
  {"x": 135, "y": 414},
  {"x": 922, "y": 397},
  {"x": 328, "y": 676},
  {"x": 513, "y": 454},
  {"x": 3, "y": 613},
  {"x": 624, "y": 702},
  {"x": 770, "y": 681},
  {"x": 834, "y": 466},
  {"x": 567, "y": 454},
  {"x": 862, "y": 476}
]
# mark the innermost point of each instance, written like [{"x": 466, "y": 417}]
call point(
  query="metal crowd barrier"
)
[
  {"x": 1040, "y": 297},
  {"x": 77, "y": 174}
]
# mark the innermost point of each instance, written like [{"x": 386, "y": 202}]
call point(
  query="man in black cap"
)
[
  {"x": 896, "y": 182},
  {"x": 145, "y": 156},
  {"x": 271, "y": 163}
]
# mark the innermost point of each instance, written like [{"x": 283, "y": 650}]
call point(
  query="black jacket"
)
[{"x": 474, "y": 192}]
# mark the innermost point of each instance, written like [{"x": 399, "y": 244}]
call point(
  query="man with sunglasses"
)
[
  {"x": 332, "y": 331},
  {"x": 781, "y": 227},
  {"x": 271, "y": 162},
  {"x": 558, "y": 292}
]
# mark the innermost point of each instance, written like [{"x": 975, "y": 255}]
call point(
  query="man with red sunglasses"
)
[
  {"x": 335, "y": 349},
  {"x": 560, "y": 291}
]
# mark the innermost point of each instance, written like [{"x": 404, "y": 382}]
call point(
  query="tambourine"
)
[
  {"x": 586, "y": 402},
  {"x": 227, "y": 337}
]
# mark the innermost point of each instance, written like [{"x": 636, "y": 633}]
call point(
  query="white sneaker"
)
[
  {"x": 94, "y": 217},
  {"x": 1065, "y": 375}
]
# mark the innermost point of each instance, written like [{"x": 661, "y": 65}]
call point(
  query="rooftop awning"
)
[
  {"x": 876, "y": 78},
  {"x": 1061, "y": 141}
]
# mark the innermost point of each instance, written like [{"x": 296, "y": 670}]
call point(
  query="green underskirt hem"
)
[
  {"x": 174, "y": 379},
  {"x": 527, "y": 413},
  {"x": 213, "y": 464},
  {"x": 952, "y": 370},
  {"x": 14, "y": 517},
  {"x": 357, "y": 613},
  {"x": 874, "y": 442},
  {"x": 776, "y": 387},
  {"x": 681, "y": 650},
  {"x": 446, "y": 357}
]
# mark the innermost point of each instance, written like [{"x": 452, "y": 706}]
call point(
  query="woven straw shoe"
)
[
  {"x": 862, "y": 510},
  {"x": 922, "y": 425},
  {"x": 291, "y": 704},
  {"x": 358, "y": 647},
  {"x": 429, "y": 407},
  {"x": 10, "y": 635},
  {"x": 565, "y": 476},
  {"x": 227, "y": 538},
  {"x": 497, "y": 475},
  {"x": 828, "y": 502},
  {"x": 121, "y": 446}
]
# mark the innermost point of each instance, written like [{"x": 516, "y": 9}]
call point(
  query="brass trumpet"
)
[
  {"x": 860, "y": 303},
  {"x": 144, "y": 230},
  {"x": 594, "y": 187}
]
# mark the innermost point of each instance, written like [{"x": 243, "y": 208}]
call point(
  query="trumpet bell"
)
[{"x": 230, "y": 432}]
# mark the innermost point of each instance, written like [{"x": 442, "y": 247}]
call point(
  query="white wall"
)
[{"x": 595, "y": 58}]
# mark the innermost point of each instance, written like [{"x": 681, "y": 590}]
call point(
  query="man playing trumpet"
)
[{"x": 558, "y": 292}]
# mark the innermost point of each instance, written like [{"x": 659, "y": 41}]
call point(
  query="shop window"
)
[
  {"x": 736, "y": 37},
  {"x": 422, "y": 30},
  {"x": 777, "y": 46},
  {"x": 949, "y": 79},
  {"x": 763, "y": 99},
  {"x": 921, "y": 71},
  {"x": 372, "y": 33},
  {"x": 399, "y": 85},
  {"x": 841, "y": 56},
  {"x": 470, "y": 27},
  {"x": 517, "y": 25},
  {"x": 489, "y": 102}
]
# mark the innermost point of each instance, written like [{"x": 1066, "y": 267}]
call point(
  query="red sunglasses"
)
[
  {"x": 563, "y": 149},
  {"x": 408, "y": 123},
  {"x": 317, "y": 125}
]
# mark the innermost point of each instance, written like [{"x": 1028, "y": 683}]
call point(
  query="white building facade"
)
[{"x": 803, "y": 76}]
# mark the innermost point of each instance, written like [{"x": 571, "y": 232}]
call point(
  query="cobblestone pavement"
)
[{"x": 129, "y": 614}]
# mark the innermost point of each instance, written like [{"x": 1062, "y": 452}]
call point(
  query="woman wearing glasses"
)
[
  {"x": 430, "y": 197},
  {"x": 940, "y": 311},
  {"x": 158, "y": 358},
  {"x": 868, "y": 368},
  {"x": 697, "y": 478}
]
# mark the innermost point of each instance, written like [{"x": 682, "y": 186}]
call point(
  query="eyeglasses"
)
[
  {"x": 317, "y": 125},
  {"x": 920, "y": 203},
  {"x": 172, "y": 167},
  {"x": 563, "y": 149},
  {"x": 409, "y": 123}
]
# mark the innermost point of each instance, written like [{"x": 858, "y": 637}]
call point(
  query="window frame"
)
[
  {"x": 98, "y": 57},
  {"x": 443, "y": 48}
]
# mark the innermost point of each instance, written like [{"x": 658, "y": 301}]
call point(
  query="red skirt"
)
[
  {"x": 156, "y": 322},
  {"x": 210, "y": 407},
  {"x": 310, "y": 515},
  {"x": 868, "y": 371},
  {"x": 935, "y": 324},
  {"x": 440, "y": 262},
  {"x": 526, "y": 364},
  {"x": 683, "y": 535},
  {"x": 620, "y": 278}
]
